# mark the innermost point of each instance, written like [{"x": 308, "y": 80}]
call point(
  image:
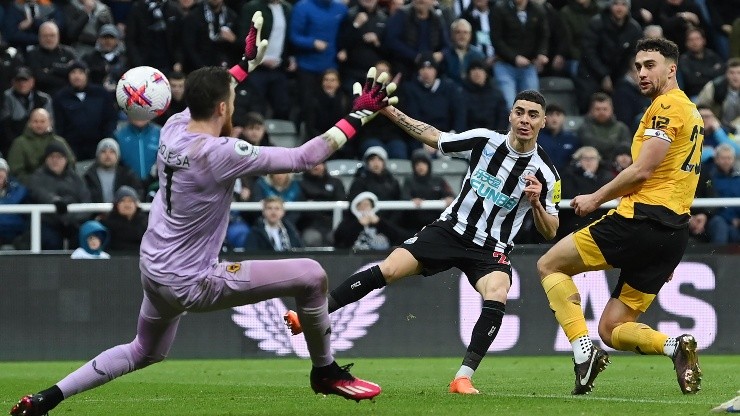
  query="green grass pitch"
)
[{"x": 631, "y": 385}]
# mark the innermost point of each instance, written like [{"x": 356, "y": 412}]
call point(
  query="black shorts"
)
[
  {"x": 646, "y": 251},
  {"x": 438, "y": 248}
]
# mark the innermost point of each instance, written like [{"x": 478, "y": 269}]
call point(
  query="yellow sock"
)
[
  {"x": 559, "y": 288},
  {"x": 639, "y": 338}
]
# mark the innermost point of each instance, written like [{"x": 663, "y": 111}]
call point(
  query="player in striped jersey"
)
[
  {"x": 509, "y": 175},
  {"x": 645, "y": 236}
]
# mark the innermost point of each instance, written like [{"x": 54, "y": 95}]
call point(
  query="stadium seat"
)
[
  {"x": 344, "y": 169},
  {"x": 282, "y": 132},
  {"x": 572, "y": 123},
  {"x": 560, "y": 91},
  {"x": 400, "y": 167},
  {"x": 448, "y": 166}
]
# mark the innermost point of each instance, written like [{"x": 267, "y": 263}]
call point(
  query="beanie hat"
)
[
  {"x": 55, "y": 147},
  {"x": 375, "y": 151},
  {"x": 108, "y": 143},
  {"x": 125, "y": 191},
  {"x": 4, "y": 165},
  {"x": 421, "y": 155},
  {"x": 626, "y": 2}
]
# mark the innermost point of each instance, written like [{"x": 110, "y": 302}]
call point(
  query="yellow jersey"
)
[{"x": 668, "y": 194}]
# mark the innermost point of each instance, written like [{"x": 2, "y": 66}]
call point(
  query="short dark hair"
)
[
  {"x": 663, "y": 46},
  {"x": 205, "y": 88},
  {"x": 554, "y": 108},
  {"x": 733, "y": 62},
  {"x": 600, "y": 97},
  {"x": 533, "y": 96},
  {"x": 253, "y": 118},
  {"x": 178, "y": 75}
]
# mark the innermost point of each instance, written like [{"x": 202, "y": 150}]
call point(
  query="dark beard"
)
[{"x": 227, "y": 129}]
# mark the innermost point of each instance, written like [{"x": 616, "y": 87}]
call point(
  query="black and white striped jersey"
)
[{"x": 491, "y": 206}]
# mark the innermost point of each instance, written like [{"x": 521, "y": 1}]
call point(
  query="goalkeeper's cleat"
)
[
  {"x": 686, "y": 363},
  {"x": 292, "y": 322},
  {"x": 463, "y": 385},
  {"x": 29, "y": 405},
  {"x": 586, "y": 372},
  {"x": 337, "y": 380},
  {"x": 730, "y": 406}
]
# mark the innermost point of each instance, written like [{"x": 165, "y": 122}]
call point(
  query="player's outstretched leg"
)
[
  {"x": 686, "y": 363},
  {"x": 334, "y": 379},
  {"x": 587, "y": 371}
]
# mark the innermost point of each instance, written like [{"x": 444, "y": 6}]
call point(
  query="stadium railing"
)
[{"x": 336, "y": 207}]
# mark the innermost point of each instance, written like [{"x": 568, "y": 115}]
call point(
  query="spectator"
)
[
  {"x": 645, "y": 12},
  {"x": 313, "y": 30},
  {"x": 284, "y": 185},
  {"x": 329, "y": 104},
  {"x": 270, "y": 79},
  {"x": 24, "y": 19},
  {"x": 83, "y": 20},
  {"x": 652, "y": 32},
  {"x": 558, "y": 143},
  {"x": 27, "y": 151},
  {"x": 12, "y": 226},
  {"x": 414, "y": 30},
  {"x": 56, "y": 183},
  {"x": 714, "y": 135},
  {"x": 601, "y": 129},
  {"x": 108, "y": 61},
  {"x": 421, "y": 186},
  {"x": 177, "y": 102},
  {"x": 608, "y": 46},
  {"x": 621, "y": 159},
  {"x": 139, "y": 142},
  {"x": 106, "y": 175},
  {"x": 10, "y": 60},
  {"x": 93, "y": 238},
  {"x": 698, "y": 65},
  {"x": 480, "y": 18},
  {"x": 558, "y": 47},
  {"x": 252, "y": 130},
  {"x": 722, "y": 15},
  {"x": 520, "y": 36},
  {"x": 317, "y": 185},
  {"x": 676, "y": 17},
  {"x": 49, "y": 60},
  {"x": 360, "y": 41},
  {"x": 381, "y": 132},
  {"x": 153, "y": 35},
  {"x": 490, "y": 110},
  {"x": 576, "y": 16},
  {"x": 722, "y": 94},
  {"x": 459, "y": 56},
  {"x": 84, "y": 113},
  {"x": 724, "y": 227},
  {"x": 18, "y": 103},
  {"x": 583, "y": 176},
  {"x": 364, "y": 229},
  {"x": 375, "y": 177},
  {"x": 210, "y": 38},
  {"x": 126, "y": 221},
  {"x": 433, "y": 100},
  {"x": 629, "y": 103},
  {"x": 273, "y": 232}
]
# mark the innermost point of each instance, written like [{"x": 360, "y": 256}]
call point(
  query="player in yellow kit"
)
[{"x": 645, "y": 236}]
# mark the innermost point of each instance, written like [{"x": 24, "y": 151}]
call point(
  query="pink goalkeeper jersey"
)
[{"x": 189, "y": 214}]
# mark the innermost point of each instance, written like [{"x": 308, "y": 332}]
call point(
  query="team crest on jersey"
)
[
  {"x": 233, "y": 267},
  {"x": 243, "y": 148},
  {"x": 263, "y": 322},
  {"x": 523, "y": 178}
]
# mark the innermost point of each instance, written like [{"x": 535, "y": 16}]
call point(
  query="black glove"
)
[{"x": 61, "y": 206}]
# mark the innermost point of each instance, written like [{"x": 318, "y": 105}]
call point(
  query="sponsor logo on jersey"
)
[
  {"x": 233, "y": 267},
  {"x": 488, "y": 187}
]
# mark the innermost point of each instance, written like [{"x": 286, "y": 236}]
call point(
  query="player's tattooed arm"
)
[{"x": 419, "y": 130}]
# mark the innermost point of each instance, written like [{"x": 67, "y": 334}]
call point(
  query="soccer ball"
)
[{"x": 143, "y": 93}]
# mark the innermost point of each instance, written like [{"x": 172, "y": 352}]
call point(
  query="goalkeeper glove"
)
[{"x": 254, "y": 50}]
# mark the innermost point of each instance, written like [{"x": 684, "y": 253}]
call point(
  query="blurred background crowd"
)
[{"x": 459, "y": 64}]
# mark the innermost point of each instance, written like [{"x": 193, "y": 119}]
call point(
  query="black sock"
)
[
  {"x": 356, "y": 287},
  {"x": 52, "y": 397},
  {"x": 484, "y": 332}
]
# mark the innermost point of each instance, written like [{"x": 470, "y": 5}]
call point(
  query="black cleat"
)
[
  {"x": 29, "y": 405},
  {"x": 686, "y": 363},
  {"x": 586, "y": 372}
]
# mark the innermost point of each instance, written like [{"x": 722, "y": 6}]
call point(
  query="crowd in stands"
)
[{"x": 459, "y": 64}]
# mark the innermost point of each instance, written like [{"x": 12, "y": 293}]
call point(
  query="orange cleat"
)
[
  {"x": 463, "y": 385},
  {"x": 292, "y": 322}
]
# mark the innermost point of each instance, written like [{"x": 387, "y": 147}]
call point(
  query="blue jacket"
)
[
  {"x": 727, "y": 186},
  {"x": 454, "y": 67},
  {"x": 138, "y": 147},
  {"x": 311, "y": 20},
  {"x": 559, "y": 147},
  {"x": 94, "y": 227},
  {"x": 12, "y": 225}
]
